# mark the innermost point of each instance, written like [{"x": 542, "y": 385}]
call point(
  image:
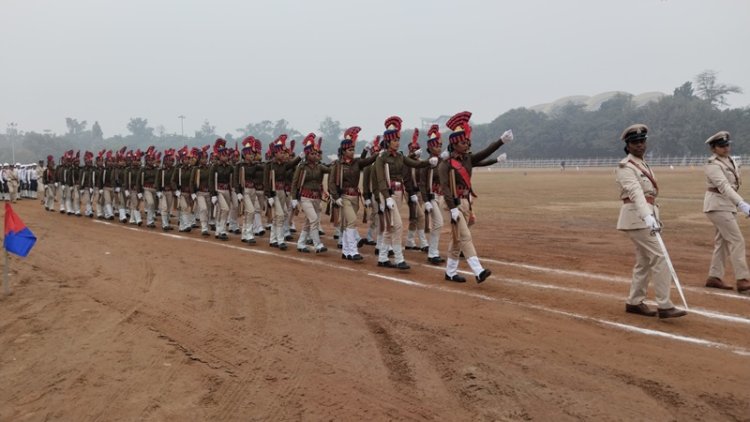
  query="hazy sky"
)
[{"x": 236, "y": 62}]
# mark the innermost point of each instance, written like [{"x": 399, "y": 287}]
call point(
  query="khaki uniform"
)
[
  {"x": 245, "y": 185},
  {"x": 181, "y": 180},
  {"x": 307, "y": 187},
  {"x": 638, "y": 192},
  {"x": 87, "y": 189},
  {"x": 276, "y": 188},
  {"x": 432, "y": 192},
  {"x": 147, "y": 185},
  {"x": 720, "y": 205},
  {"x": 200, "y": 179},
  {"x": 222, "y": 180}
]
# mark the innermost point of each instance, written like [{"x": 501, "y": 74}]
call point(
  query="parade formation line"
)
[{"x": 621, "y": 326}]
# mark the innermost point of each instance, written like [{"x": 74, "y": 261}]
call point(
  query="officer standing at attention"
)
[
  {"x": 720, "y": 205},
  {"x": 639, "y": 218}
]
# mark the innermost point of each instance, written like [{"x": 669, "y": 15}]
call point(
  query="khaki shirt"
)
[
  {"x": 349, "y": 179},
  {"x": 222, "y": 177},
  {"x": 181, "y": 178},
  {"x": 313, "y": 178},
  {"x": 396, "y": 163},
  {"x": 635, "y": 186},
  {"x": 722, "y": 174}
]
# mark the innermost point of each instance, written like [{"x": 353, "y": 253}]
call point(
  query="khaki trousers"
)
[
  {"x": 649, "y": 263},
  {"x": 728, "y": 242},
  {"x": 393, "y": 233},
  {"x": 349, "y": 211},
  {"x": 460, "y": 235}
]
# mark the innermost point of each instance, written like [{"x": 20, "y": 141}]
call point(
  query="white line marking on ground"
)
[{"x": 626, "y": 327}]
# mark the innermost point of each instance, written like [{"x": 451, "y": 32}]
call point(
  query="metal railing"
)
[{"x": 696, "y": 160}]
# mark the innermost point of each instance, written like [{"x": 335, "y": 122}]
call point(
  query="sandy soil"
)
[{"x": 108, "y": 322}]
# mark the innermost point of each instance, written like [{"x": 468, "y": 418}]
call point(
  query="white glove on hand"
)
[
  {"x": 381, "y": 205},
  {"x": 270, "y": 202},
  {"x": 214, "y": 199},
  {"x": 445, "y": 155},
  {"x": 240, "y": 197},
  {"x": 177, "y": 193},
  {"x": 127, "y": 193},
  {"x": 414, "y": 198},
  {"x": 744, "y": 207},
  {"x": 140, "y": 195},
  {"x": 652, "y": 223},
  {"x": 81, "y": 191},
  {"x": 158, "y": 195},
  {"x": 433, "y": 161},
  {"x": 455, "y": 212},
  {"x": 418, "y": 152},
  {"x": 91, "y": 191},
  {"x": 193, "y": 196},
  {"x": 390, "y": 203},
  {"x": 117, "y": 190},
  {"x": 340, "y": 202},
  {"x": 57, "y": 184},
  {"x": 502, "y": 157},
  {"x": 294, "y": 203},
  {"x": 507, "y": 136},
  {"x": 368, "y": 203},
  {"x": 101, "y": 191},
  {"x": 428, "y": 206}
]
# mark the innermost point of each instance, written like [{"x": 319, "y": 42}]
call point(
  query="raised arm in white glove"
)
[
  {"x": 390, "y": 203},
  {"x": 445, "y": 155},
  {"x": 744, "y": 208},
  {"x": 652, "y": 223},
  {"x": 428, "y": 206},
  {"x": 455, "y": 212},
  {"x": 507, "y": 136},
  {"x": 433, "y": 161},
  {"x": 414, "y": 198}
]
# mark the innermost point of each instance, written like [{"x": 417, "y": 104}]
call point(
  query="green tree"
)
[
  {"x": 712, "y": 91},
  {"x": 331, "y": 132},
  {"x": 684, "y": 91},
  {"x": 139, "y": 128},
  {"x": 75, "y": 127},
  {"x": 96, "y": 132}
]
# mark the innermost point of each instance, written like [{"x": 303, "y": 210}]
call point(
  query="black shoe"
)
[
  {"x": 640, "y": 309},
  {"x": 205, "y": 234},
  {"x": 293, "y": 230},
  {"x": 377, "y": 251},
  {"x": 408, "y": 248},
  {"x": 101, "y": 217},
  {"x": 62, "y": 211},
  {"x": 151, "y": 226},
  {"x": 288, "y": 238},
  {"x": 243, "y": 240},
  {"x": 90, "y": 216},
  {"x": 356, "y": 257},
  {"x": 671, "y": 313},
  {"x": 250, "y": 241},
  {"x": 187, "y": 230},
  {"x": 274, "y": 245},
  {"x": 456, "y": 278},
  {"x": 110, "y": 218},
  {"x": 195, "y": 226},
  {"x": 303, "y": 250},
  {"x": 308, "y": 242},
  {"x": 335, "y": 237},
  {"x": 435, "y": 260},
  {"x": 402, "y": 265},
  {"x": 424, "y": 249},
  {"x": 321, "y": 233},
  {"x": 391, "y": 254},
  {"x": 213, "y": 227},
  {"x": 260, "y": 233},
  {"x": 222, "y": 236},
  {"x": 237, "y": 231},
  {"x": 349, "y": 257},
  {"x": 371, "y": 242},
  {"x": 339, "y": 246},
  {"x": 386, "y": 264},
  {"x": 124, "y": 220},
  {"x": 167, "y": 228},
  {"x": 70, "y": 213},
  {"x": 283, "y": 246},
  {"x": 361, "y": 242},
  {"x": 321, "y": 250},
  {"x": 483, "y": 275},
  {"x": 140, "y": 223}
]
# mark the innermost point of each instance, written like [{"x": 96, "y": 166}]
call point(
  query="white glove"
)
[
  {"x": 81, "y": 191},
  {"x": 652, "y": 223},
  {"x": 433, "y": 161},
  {"x": 177, "y": 193},
  {"x": 158, "y": 195},
  {"x": 502, "y": 157},
  {"x": 368, "y": 202},
  {"x": 139, "y": 195},
  {"x": 270, "y": 202},
  {"x": 507, "y": 136},
  {"x": 57, "y": 184},
  {"x": 101, "y": 191},
  {"x": 418, "y": 152},
  {"x": 127, "y": 193},
  {"x": 414, "y": 198},
  {"x": 117, "y": 190},
  {"x": 455, "y": 212},
  {"x": 744, "y": 207},
  {"x": 193, "y": 196},
  {"x": 445, "y": 155},
  {"x": 294, "y": 203},
  {"x": 240, "y": 197},
  {"x": 214, "y": 199},
  {"x": 390, "y": 203},
  {"x": 381, "y": 205},
  {"x": 91, "y": 191},
  {"x": 340, "y": 202},
  {"x": 428, "y": 206}
]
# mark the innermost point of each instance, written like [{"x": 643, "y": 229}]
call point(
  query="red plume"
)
[{"x": 415, "y": 137}]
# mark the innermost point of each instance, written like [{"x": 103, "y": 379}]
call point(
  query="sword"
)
[{"x": 671, "y": 268}]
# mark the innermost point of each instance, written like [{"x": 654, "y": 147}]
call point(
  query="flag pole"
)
[{"x": 6, "y": 287}]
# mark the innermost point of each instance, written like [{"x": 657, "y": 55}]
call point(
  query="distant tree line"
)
[{"x": 679, "y": 124}]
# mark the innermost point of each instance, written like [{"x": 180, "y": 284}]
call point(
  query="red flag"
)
[{"x": 18, "y": 238}]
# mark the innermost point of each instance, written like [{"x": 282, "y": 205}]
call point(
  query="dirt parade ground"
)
[{"x": 114, "y": 322}]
